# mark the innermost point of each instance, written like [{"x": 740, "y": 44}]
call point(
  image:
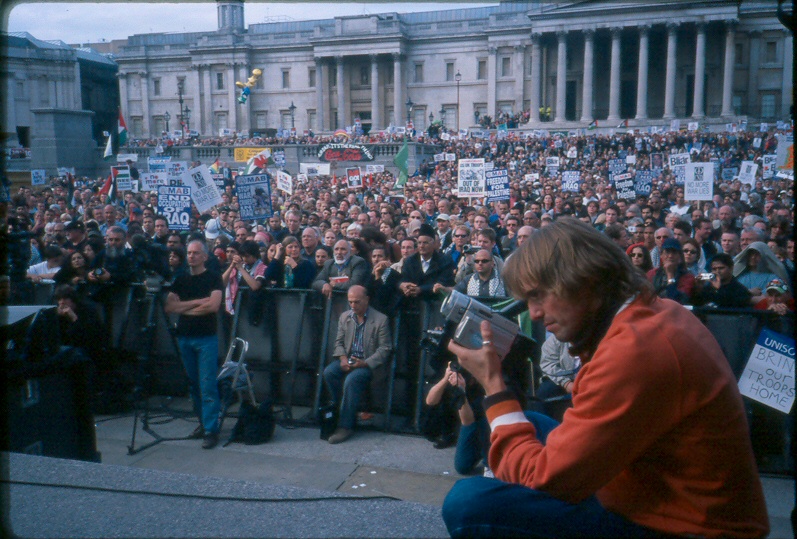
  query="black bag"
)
[
  {"x": 328, "y": 419},
  {"x": 255, "y": 425}
]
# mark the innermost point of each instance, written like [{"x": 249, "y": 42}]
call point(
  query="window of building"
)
[
  {"x": 481, "y": 70},
  {"x": 736, "y": 103},
  {"x": 418, "y": 73},
  {"x": 20, "y": 89},
  {"x": 286, "y": 78},
  {"x": 768, "y": 106},
  {"x": 219, "y": 80},
  {"x": 506, "y": 66},
  {"x": 365, "y": 76},
  {"x": 156, "y": 87},
  {"x": 44, "y": 91},
  {"x": 160, "y": 125},
  {"x": 136, "y": 126},
  {"x": 419, "y": 119},
  {"x": 310, "y": 77},
  {"x": 770, "y": 52},
  {"x": 739, "y": 54},
  {"x": 220, "y": 119},
  {"x": 285, "y": 119},
  {"x": 449, "y": 71},
  {"x": 260, "y": 84},
  {"x": 333, "y": 78},
  {"x": 311, "y": 119},
  {"x": 505, "y": 107},
  {"x": 261, "y": 120},
  {"x": 391, "y": 119}
]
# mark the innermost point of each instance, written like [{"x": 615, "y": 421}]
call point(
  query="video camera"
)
[{"x": 464, "y": 316}]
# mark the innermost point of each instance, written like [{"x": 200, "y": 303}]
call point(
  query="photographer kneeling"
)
[{"x": 656, "y": 443}]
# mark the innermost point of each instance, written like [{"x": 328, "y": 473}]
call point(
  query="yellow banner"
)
[{"x": 242, "y": 155}]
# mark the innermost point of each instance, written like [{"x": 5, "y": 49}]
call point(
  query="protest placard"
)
[
  {"x": 301, "y": 178},
  {"x": 497, "y": 181},
  {"x": 785, "y": 152},
  {"x": 204, "y": 192},
  {"x": 572, "y": 152},
  {"x": 125, "y": 157},
  {"x": 150, "y": 181},
  {"x": 617, "y": 166},
  {"x": 451, "y": 157},
  {"x": 254, "y": 196},
  {"x": 174, "y": 203},
  {"x": 692, "y": 126},
  {"x": 630, "y": 159},
  {"x": 643, "y": 182},
  {"x": 374, "y": 169},
  {"x": 757, "y": 142},
  {"x": 768, "y": 376},
  {"x": 438, "y": 157},
  {"x": 123, "y": 180},
  {"x": 315, "y": 169},
  {"x": 624, "y": 185},
  {"x": 764, "y": 127},
  {"x": 64, "y": 171},
  {"x": 552, "y": 162},
  {"x": 728, "y": 174},
  {"x": 38, "y": 176},
  {"x": 158, "y": 164},
  {"x": 747, "y": 172},
  {"x": 699, "y": 181},
  {"x": 531, "y": 177},
  {"x": 470, "y": 177},
  {"x": 353, "y": 178},
  {"x": 175, "y": 171},
  {"x": 768, "y": 163},
  {"x": 656, "y": 161},
  {"x": 284, "y": 182},
  {"x": 571, "y": 181}
]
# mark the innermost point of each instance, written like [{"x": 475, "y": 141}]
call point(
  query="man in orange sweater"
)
[{"x": 656, "y": 443}]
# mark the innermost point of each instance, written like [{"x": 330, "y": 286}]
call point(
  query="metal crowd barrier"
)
[{"x": 291, "y": 336}]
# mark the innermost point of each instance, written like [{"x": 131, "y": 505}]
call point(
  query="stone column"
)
[
  {"x": 76, "y": 90},
  {"x": 698, "y": 111},
  {"x": 232, "y": 103},
  {"x": 244, "y": 109},
  {"x": 669, "y": 84},
  {"x": 520, "y": 79},
  {"x": 730, "y": 62},
  {"x": 144, "y": 85},
  {"x": 207, "y": 101},
  {"x": 587, "y": 85},
  {"x": 788, "y": 75},
  {"x": 124, "y": 106},
  {"x": 398, "y": 91},
  {"x": 642, "y": 73},
  {"x": 614, "y": 78},
  {"x": 376, "y": 103},
  {"x": 561, "y": 76},
  {"x": 534, "y": 96},
  {"x": 753, "y": 101},
  {"x": 319, "y": 95},
  {"x": 341, "y": 93},
  {"x": 198, "y": 114},
  {"x": 491, "y": 82}
]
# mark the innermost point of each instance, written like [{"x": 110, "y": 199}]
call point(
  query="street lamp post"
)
[
  {"x": 167, "y": 117},
  {"x": 458, "y": 78},
  {"x": 443, "y": 116},
  {"x": 409, "y": 105},
  {"x": 187, "y": 116},
  {"x": 180, "y": 84},
  {"x": 292, "y": 110},
  {"x": 431, "y": 118}
]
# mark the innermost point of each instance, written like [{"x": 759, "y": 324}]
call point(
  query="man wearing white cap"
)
[{"x": 444, "y": 238}]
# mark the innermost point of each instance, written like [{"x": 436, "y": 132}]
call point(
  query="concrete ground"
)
[{"x": 370, "y": 464}]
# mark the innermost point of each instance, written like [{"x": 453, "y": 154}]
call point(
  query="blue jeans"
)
[
  {"x": 473, "y": 443},
  {"x": 485, "y": 507},
  {"x": 200, "y": 358},
  {"x": 347, "y": 389}
]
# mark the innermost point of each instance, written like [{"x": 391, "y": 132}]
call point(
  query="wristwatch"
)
[{"x": 670, "y": 281}]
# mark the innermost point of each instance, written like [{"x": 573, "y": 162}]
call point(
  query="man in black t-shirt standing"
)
[{"x": 196, "y": 297}]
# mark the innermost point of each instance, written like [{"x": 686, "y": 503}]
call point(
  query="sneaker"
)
[
  {"x": 340, "y": 435},
  {"x": 210, "y": 440},
  {"x": 198, "y": 433}
]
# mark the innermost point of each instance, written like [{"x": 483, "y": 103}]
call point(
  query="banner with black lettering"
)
[
  {"x": 699, "y": 181},
  {"x": 768, "y": 376},
  {"x": 254, "y": 196},
  {"x": 203, "y": 189},
  {"x": 174, "y": 203},
  {"x": 497, "y": 181},
  {"x": 470, "y": 177},
  {"x": 571, "y": 181},
  {"x": 643, "y": 182}
]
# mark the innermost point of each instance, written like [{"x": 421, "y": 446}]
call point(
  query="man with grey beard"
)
[
  {"x": 342, "y": 271},
  {"x": 114, "y": 265}
]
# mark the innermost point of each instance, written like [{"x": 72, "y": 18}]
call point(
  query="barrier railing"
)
[{"x": 291, "y": 335}]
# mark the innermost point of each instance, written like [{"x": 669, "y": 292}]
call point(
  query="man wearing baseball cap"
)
[{"x": 444, "y": 237}]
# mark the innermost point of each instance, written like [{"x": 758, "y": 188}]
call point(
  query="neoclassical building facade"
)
[{"x": 583, "y": 61}]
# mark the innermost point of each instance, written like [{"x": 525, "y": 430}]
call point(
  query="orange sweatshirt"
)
[{"x": 657, "y": 431}]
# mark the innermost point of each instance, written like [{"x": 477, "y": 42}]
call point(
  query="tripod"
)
[{"x": 152, "y": 306}]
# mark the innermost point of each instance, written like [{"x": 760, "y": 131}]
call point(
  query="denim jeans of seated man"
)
[
  {"x": 347, "y": 390},
  {"x": 200, "y": 358},
  {"x": 486, "y": 507}
]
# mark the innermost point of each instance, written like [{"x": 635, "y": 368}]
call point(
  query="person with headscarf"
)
[{"x": 756, "y": 266}]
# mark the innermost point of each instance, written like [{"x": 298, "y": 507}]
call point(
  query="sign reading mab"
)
[
  {"x": 174, "y": 203},
  {"x": 254, "y": 196},
  {"x": 768, "y": 376},
  {"x": 354, "y": 178},
  {"x": 203, "y": 188},
  {"x": 346, "y": 152},
  {"x": 243, "y": 155},
  {"x": 470, "y": 177},
  {"x": 699, "y": 181},
  {"x": 497, "y": 181},
  {"x": 643, "y": 182},
  {"x": 571, "y": 181}
]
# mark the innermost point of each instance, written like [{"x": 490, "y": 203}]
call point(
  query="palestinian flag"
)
[
  {"x": 121, "y": 131},
  {"x": 109, "y": 188},
  {"x": 593, "y": 125}
]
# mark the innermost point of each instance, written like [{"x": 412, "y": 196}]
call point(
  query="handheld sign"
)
[
  {"x": 254, "y": 196},
  {"x": 203, "y": 189},
  {"x": 123, "y": 180},
  {"x": 284, "y": 182},
  {"x": 624, "y": 184},
  {"x": 38, "y": 176},
  {"x": 768, "y": 376},
  {"x": 699, "y": 181},
  {"x": 747, "y": 172},
  {"x": 768, "y": 163},
  {"x": 643, "y": 182},
  {"x": 354, "y": 178},
  {"x": 571, "y": 181},
  {"x": 174, "y": 203},
  {"x": 470, "y": 177},
  {"x": 497, "y": 181}
]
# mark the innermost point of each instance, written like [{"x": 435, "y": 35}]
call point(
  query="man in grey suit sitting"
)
[{"x": 362, "y": 346}]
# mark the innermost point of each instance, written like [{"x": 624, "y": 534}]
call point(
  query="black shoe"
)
[
  {"x": 198, "y": 433},
  {"x": 210, "y": 441},
  {"x": 445, "y": 440}
]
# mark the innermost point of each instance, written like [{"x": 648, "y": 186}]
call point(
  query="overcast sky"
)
[{"x": 92, "y": 22}]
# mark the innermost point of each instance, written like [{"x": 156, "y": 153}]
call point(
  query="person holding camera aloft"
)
[{"x": 657, "y": 441}]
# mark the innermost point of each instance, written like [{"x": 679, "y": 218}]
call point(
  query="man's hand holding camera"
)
[
  {"x": 484, "y": 364},
  {"x": 348, "y": 363},
  {"x": 99, "y": 275}
]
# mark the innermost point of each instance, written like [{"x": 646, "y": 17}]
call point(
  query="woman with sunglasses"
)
[{"x": 640, "y": 257}]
